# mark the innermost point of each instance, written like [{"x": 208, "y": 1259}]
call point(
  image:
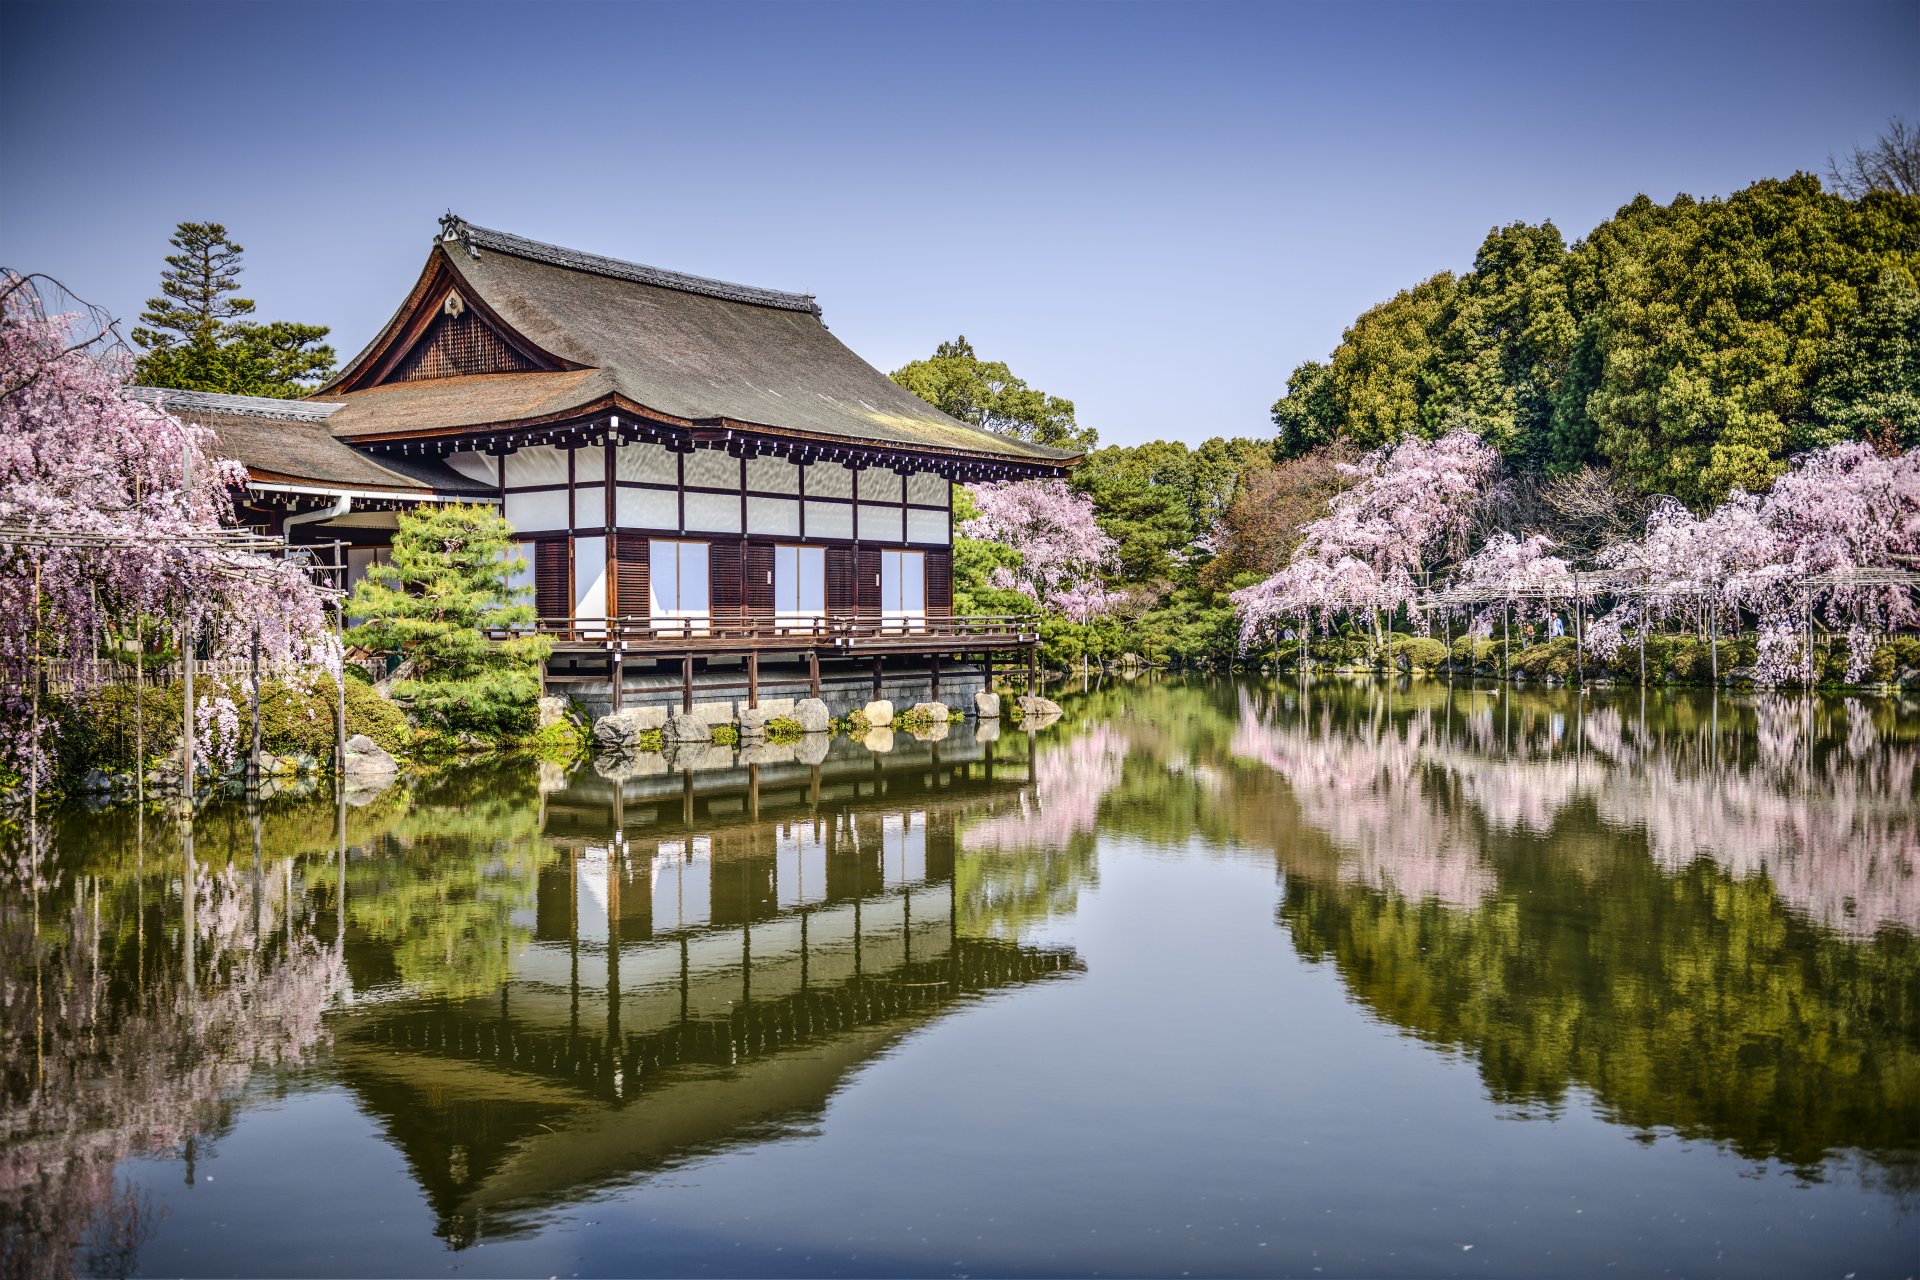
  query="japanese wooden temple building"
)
[{"x": 714, "y": 496}]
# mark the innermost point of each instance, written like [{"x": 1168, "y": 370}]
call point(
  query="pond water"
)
[{"x": 1207, "y": 978}]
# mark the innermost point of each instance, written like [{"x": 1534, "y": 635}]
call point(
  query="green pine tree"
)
[
  {"x": 451, "y": 579},
  {"x": 200, "y": 340}
]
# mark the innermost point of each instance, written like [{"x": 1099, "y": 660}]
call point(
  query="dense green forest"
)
[{"x": 1685, "y": 349}]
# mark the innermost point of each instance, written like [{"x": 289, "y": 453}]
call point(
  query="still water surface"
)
[{"x": 1252, "y": 978}]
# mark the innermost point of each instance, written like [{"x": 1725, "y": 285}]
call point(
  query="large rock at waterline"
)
[
  {"x": 685, "y": 728},
  {"x": 367, "y": 765},
  {"x": 930, "y": 712},
  {"x": 812, "y": 748},
  {"x": 618, "y": 731},
  {"x": 878, "y": 712},
  {"x": 986, "y": 705},
  {"x": 753, "y": 722},
  {"x": 553, "y": 711},
  {"x": 812, "y": 715},
  {"x": 1039, "y": 708}
]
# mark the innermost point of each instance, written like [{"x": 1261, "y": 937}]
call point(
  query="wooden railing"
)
[{"x": 640, "y": 633}]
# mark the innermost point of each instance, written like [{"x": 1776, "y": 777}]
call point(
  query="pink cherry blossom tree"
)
[
  {"x": 111, "y": 509},
  {"x": 1411, "y": 512},
  {"x": 1064, "y": 555}
]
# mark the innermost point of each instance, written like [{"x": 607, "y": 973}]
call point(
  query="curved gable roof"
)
[{"x": 685, "y": 348}]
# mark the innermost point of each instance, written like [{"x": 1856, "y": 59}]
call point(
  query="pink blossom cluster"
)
[
  {"x": 1064, "y": 554},
  {"x": 106, "y": 509},
  {"x": 216, "y": 723},
  {"x": 1411, "y": 510},
  {"x": 1840, "y": 512}
]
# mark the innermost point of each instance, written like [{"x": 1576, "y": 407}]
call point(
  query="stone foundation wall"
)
[{"x": 843, "y": 691}]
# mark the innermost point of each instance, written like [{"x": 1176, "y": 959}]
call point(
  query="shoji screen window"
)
[
  {"x": 903, "y": 590},
  {"x": 678, "y": 587},
  {"x": 800, "y": 587}
]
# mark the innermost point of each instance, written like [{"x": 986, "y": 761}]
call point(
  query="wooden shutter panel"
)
[
  {"x": 866, "y": 582},
  {"x": 553, "y": 578},
  {"x": 630, "y": 585},
  {"x": 940, "y": 583},
  {"x": 840, "y": 595},
  {"x": 760, "y": 579},
  {"x": 726, "y": 575}
]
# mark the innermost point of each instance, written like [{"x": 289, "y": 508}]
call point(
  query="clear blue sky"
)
[{"x": 1157, "y": 211}]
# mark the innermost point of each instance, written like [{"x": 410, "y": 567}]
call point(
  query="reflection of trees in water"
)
[
  {"x": 1027, "y": 861},
  {"x": 1826, "y": 814},
  {"x": 1686, "y": 1002},
  {"x": 431, "y": 901},
  {"x": 1703, "y": 915},
  {"x": 137, "y": 1002}
]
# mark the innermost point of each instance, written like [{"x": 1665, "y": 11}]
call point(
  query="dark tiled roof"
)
[
  {"x": 686, "y": 348},
  {"x": 291, "y": 441},
  {"x": 474, "y": 239}
]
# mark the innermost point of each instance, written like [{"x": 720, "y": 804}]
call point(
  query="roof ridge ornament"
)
[{"x": 454, "y": 228}]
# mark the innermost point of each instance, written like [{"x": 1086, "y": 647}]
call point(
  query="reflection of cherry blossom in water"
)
[
  {"x": 108, "y": 1054},
  {"x": 1069, "y": 780},
  {"x": 1409, "y": 799},
  {"x": 1364, "y": 792},
  {"x": 1028, "y": 861}
]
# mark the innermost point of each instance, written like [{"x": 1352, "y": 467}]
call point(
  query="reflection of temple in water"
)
[{"x": 713, "y": 953}]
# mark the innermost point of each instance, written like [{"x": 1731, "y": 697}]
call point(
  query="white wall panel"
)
[
  {"x": 648, "y": 508},
  {"x": 829, "y": 480},
  {"x": 928, "y": 488},
  {"x": 774, "y": 515},
  {"x": 773, "y": 475},
  {"x": 648, "y": 462},
  {"x": 877, "y": 484},
  {"x": 537, "y": 512},
  {"x": 927, "y": 526},
  {"x": 879, "y": 524},
  {"x": 475, "y": 466},
  {"x": 537, "y": 464},
  {"x": 590, "y": 506},
  {"x": 713, "y": 512},
  {"x": 713, "y": 469},
  {"x": 829, "y": 519}
]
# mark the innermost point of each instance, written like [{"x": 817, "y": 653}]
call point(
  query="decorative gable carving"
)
[{"x": 459, "y": 342}]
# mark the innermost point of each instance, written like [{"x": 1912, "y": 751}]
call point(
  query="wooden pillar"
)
[
  {"x": 1033, "y": 669},
  {"x": 813, "y": 673},
  {"x": 686, "y": 684},
  {"x": 186, "y": 718},
  {"x": 877, "y": 662},
  {"x": 934, "y": 677},
  {"x": 253, "y": 750},
  {"x": 618, "y": 662},
  {"x": 753, "y": 679},
  {"x": 1713, "y": 641}
]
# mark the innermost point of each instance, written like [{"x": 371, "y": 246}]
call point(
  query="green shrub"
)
[
  {"x": 373, "y": 715},
  {"x": 1469, "y": 650},
  {"x": 726, "y": 735},
  {"x": 782, "y": 729},
  {"x": 649, "y": 740},
  {"x": 1421, "y": 652}
]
